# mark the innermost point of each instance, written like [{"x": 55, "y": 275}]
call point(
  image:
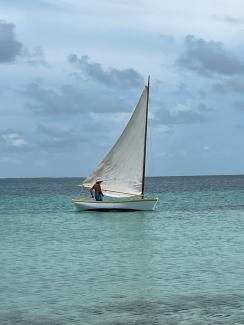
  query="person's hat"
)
[{"x": 99, "y": 180}]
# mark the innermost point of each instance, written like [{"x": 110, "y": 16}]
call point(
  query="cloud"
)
[
  {"x": 124, "y": 78},
  {"x": 230, "y": 20},
  {"x": 89, "y": 133},
  {"x": 13, "y": 142},
  {"x": 12, "y": 139},
  {"x": 239, "y": 126},
  {"x": 201, "y": 107},
  {"x": 10, "y": 160},
  {"x": 35, "y": 57},
  {"x": 209, "y": 58},
  {"x": 168, "y": 42},
  {"x": 182, "y": 91},
  {"x": 180, "y": 114},
  {"x": 53, "y": 139},
  {"x": 231, "y": 85},
  {"x": 71, "y": 100},
  {"x": 238, "y": 105},
  {"x": 207, "y": 148},
  {"x": 10, "y": 48},
  {"x": 30, "y": 5},
  {"x": 47, "y": 101}
]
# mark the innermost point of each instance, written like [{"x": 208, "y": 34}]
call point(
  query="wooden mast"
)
[{"x": 145, "y": 141}]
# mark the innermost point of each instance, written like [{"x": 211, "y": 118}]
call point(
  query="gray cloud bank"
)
[
  {"x": 181, "y": 116},
  {"x": 10, "y": 48},
  {"x": 230, "y": 20},
  {"x": 47, "y": 101},
  {"x": 69, "y": 100},
  {"x": 229, "y": 86},
  {"x": 52, "y": 139},
  {"x": 113, "y": 77},
  {"x": 208, "y": 58}
]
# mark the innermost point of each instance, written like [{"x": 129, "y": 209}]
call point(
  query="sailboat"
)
[{"x": 122, "y": 171}]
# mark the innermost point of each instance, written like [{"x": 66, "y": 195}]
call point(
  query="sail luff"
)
[{"x": 145, "y": 142}]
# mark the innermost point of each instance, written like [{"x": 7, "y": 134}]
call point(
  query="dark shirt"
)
[
  {"x": 98, "y": 192},
  {"x": 97, "y": 188}
]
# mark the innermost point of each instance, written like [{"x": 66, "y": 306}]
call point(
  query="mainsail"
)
[{"x": 123, "y": 168}]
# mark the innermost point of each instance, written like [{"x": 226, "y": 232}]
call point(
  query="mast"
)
[{"x": 145, "y": 141}]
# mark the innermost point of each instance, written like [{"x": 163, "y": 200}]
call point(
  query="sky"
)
[{"x": 71, "y": 73}]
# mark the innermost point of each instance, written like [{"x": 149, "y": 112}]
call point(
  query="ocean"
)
[{"x": 181, "y": 264}]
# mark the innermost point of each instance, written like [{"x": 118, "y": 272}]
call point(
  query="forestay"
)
[{"x": 122, "y": 169}]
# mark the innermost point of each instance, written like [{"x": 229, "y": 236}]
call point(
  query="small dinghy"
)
[
  {"x": 123, "y": 168},
  {"x": 120, "y": 205}
]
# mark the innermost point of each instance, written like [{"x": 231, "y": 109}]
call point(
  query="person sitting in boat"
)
[{"x": 97, "y": 189}]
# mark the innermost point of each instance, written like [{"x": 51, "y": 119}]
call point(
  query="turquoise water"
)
[{"x": 181, "y": 264}]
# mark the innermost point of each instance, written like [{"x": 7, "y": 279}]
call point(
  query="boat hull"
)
[{"x": 119, "y": 205}]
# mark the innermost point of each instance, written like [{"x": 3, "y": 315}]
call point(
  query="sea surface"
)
[{"x": 181, "y": 264}]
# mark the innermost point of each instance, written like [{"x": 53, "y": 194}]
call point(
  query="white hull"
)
[{"x": 133, "y": 204}]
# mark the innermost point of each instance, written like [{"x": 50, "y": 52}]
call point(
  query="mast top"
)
[{"x": 148, "y": 81}]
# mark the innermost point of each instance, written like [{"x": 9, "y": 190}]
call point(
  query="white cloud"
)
[
  {"x": 207, "y": 148},
  {"x": 13, "y": 139},
  {"x": 180, "y": 108},
  {"x": 12, "y": 160}
]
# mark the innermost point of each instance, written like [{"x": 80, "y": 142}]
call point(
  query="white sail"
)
[{"x": 122, "y": 169}]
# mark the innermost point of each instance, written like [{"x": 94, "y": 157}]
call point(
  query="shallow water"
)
[{"x": 181, "y": 264}]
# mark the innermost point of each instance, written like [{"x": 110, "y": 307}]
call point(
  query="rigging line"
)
[{"x": 106, "y": 189}]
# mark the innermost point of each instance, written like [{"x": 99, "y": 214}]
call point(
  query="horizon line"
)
[{"x": 199, "y": 175}]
